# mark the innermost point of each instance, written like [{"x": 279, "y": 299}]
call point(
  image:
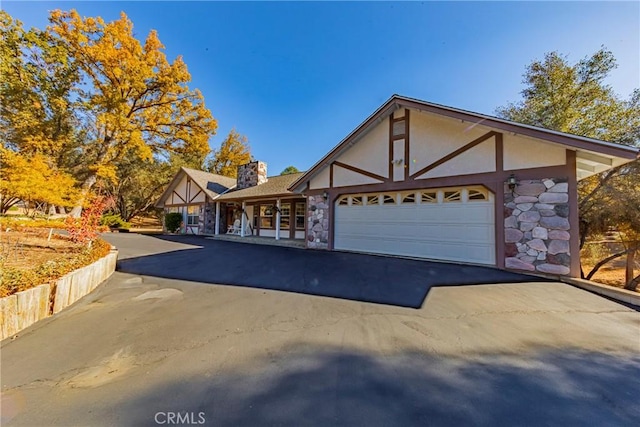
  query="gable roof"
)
[
  {"x": 210, "y": 183},
  {"x": 275, "y": 186},
  {"x": 398, "y": 101}
]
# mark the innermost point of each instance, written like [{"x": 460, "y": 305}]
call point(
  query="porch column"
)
[
  {"x": 278, "y": 219},
  {"x": 243, "y": 223},
  {"x": 217, "y": 230}
]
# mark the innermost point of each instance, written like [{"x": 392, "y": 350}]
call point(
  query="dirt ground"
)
[
  {"x": 612, "y": 273},
  {"x": 146, "y": 224},
  {"x": 29, "y": 248}
]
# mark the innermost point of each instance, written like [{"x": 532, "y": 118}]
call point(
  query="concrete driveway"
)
[{"x": 168, "y": 341}]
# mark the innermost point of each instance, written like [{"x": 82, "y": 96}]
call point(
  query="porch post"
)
[
  {"x": 217, "y": 230},
  {"x": 242, "y": 221},
  {"x": 278, "y": 219}
]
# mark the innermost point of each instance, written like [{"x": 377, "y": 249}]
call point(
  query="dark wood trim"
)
[
  {"x": 574, "y": 219},
  {"x": 395, "y": 101},
  {"x": 331, "y": 175},
  {"x": 399, "y": 137},
  {"x": 455, "y": 153},
  {"x": 518, "y": 128},
  {"x": 197, "y": 194},
  {"x": 256, "y": 210},
  {"x": 485, "y": 178},
  {"x": 390, "y": 159},
  {"x": 397, "y": 119},
  {"x": 499, "y": 224},
  {"x": 176, "y": 194},
  {"x": 499, "y": 153},
  {"x": 332, "y": 221},
  {"x": 406, "y": 144},
  {"x": 360, "y": 171},
  {"x": 261, "y": 198},
  {"x": 499, "y": 204}
]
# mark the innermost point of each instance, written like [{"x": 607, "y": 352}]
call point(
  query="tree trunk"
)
[
  {"x": 628, "y": 276},
  {"x": 86, "y": 187}
]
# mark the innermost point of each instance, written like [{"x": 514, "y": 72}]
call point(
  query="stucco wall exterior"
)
[
  {"x": 321, "y": 180},
  {"x": 371, "y": 151}
]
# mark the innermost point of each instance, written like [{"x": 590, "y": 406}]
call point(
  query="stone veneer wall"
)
[
  {"x": 317, "y": 222},
  {"x": 207, "y": 219},
  {"x": 251, "y": 174},
  {"x": 537, "y": 230}
]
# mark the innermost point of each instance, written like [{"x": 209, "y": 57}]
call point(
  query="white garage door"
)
[{"x": 455, "y": 224}]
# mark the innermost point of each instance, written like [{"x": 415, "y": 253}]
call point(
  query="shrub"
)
[
  {"x": 86, "y": 228},
  {"x": 24, "y": 222},
  {"x": 172, "y": 221},
  {"x": 114, "y": 221}
]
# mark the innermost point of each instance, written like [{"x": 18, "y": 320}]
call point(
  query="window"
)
[
  {"x": 372, "y": 200},
  {"x": 192, "y": 215},
  {"x": 409, "y": 198},
  {"x": 344, "y": 200},
  {"x": 429, "y": 197},
  {"x": 388, "y": 200},
  {"x": 356, "y": 201},
  {"x": 301, "y": 214},
  {"x": 172, "y": 209},
  {"x": 285, "y": 215},
  {"x": 478, "y": 194},
  {"x": 266, "y": 216},
  {"x": 452, "y": 196}
]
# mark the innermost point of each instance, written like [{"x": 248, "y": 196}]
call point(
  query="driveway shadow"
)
[
  {"x": 345, "y": 387},
  {"x": 367, "y": 278}
]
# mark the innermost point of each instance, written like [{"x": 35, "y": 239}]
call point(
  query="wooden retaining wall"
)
[{"x": 23, "y": 309}]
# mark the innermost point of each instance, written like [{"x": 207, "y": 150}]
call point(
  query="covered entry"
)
[{"x": 455, "y": 224}]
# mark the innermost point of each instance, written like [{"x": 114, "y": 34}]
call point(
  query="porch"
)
[{"x": 260, "y": 240}]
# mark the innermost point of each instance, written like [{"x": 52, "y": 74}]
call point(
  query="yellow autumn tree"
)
[
  {"x": 233, "y": 152},
  {"x": 34, "y": 180},
  {"x": 133, "y": 100}
]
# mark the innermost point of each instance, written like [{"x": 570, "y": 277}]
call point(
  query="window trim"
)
[
  {"x": 269, "y": 206},
  {"x": 288, "y": 217},
  {"x": 195, "y": 215},
  {"x": 303, "y": 215}
]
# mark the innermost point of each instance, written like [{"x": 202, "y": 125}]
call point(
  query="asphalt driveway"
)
[
  {"x": 194, "y": 331},
  {"x": 367, "y": 278}
]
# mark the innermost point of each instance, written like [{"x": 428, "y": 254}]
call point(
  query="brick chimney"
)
[{"x": 251, "y": 174}]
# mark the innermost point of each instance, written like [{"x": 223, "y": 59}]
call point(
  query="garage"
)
[{"x": 454, "y": 224}]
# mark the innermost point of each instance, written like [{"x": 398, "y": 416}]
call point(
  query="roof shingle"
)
[{"x": 275, "y": 186}]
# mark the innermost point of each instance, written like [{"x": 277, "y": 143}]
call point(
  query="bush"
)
[
  {"x": 22, "y": 223},
  {"x": 114, "y": 221},
  {"x": 172, "y": 221}
]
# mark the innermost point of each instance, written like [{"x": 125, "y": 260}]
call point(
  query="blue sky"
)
[{"x": 297, "y": 77}]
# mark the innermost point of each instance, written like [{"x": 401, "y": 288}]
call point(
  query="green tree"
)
[
  {"x": 289, "y": 170},
  {"x": 133, "y": 101},
  {"x": 576, "y": 99},
  {"x": 233, "y": 152}
]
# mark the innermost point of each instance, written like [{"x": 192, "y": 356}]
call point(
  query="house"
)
[
  {"x": 421, "y": 180},
  {"x": 211, "y": 204},
  {"x": 424, "y": 180},
  {"x": 264, "y": 205},
  {"x": 191, "y": 192}
]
